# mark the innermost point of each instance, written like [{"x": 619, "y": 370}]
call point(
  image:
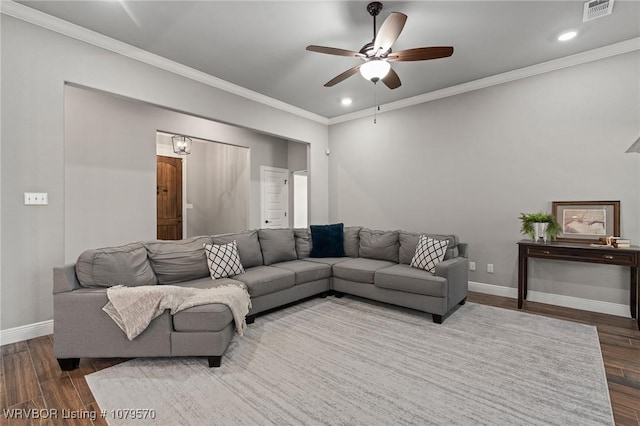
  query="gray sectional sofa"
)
[{"x": 278, "y": 271}]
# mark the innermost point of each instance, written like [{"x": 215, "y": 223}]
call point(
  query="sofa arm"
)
[
  {"x": 64, "y": 279},
  {"x": 456, "y": 271}
]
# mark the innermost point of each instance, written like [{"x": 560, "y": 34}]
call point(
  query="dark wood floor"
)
[{"x": 30, "y": 377}]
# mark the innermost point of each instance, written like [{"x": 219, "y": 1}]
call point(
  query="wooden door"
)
[{"x": 169, "y": 198}]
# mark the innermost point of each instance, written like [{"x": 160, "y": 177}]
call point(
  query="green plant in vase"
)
[{"x": 539, "y": 225}]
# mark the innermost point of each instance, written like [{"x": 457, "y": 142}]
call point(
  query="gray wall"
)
[
  {"x": 110, "y": 169},
  {"x": 469, "y": 164},
  {"x": 297, "y": 156},
  {"x": 35, "y": 64},
  {"x": 217, "y": 188}
]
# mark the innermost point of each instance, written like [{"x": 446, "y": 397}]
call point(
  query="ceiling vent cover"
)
[{"x": 597, "y": 9}]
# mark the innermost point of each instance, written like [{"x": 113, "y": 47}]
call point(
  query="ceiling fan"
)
[{"x": 377, "y": 54}]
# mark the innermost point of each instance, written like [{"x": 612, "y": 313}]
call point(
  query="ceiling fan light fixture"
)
[{"x": 375, "y": 69}]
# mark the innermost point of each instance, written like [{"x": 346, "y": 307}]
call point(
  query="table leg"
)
[
  {"x": 634, "y": 303},
  {"x": 522, "y": 276}
]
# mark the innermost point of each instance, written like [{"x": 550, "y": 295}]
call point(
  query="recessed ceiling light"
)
[
  {"x": 346, "y": 101},
  {"x": 567, "y": 36}
]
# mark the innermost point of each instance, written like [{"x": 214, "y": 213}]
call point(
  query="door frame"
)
[
  {"x": 166, "y": 151},
  {"x": 264, "y": 169}
]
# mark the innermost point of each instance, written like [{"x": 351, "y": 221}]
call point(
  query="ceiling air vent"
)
[{"x": 596, "y": 9}]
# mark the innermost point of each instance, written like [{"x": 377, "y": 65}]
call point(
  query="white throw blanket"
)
[{"x": 133, "y": 308}]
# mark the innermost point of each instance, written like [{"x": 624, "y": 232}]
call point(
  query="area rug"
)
[{"x": 352, "y": 362}]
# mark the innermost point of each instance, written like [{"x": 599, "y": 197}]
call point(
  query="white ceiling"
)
[{"x": 260, "y": 45}]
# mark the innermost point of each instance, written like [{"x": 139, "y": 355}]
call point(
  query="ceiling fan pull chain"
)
[{"x": 376, "y": 107}]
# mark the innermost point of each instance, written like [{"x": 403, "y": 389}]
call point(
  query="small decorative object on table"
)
[
  {"x": 622, "y": 243},
  {"x": 539, "y": 226}
]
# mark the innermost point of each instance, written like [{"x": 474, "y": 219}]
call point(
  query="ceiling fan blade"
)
[
  {"x": 389, "y": 32},
  {"x": 334, "y": 51},
  {"x": 421, "y": 54},
  {"x": 348, "y": 73},
  {"x": 391, "y": 80}
]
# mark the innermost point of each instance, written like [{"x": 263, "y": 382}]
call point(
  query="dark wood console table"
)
[{"x": 580, "y": 252}]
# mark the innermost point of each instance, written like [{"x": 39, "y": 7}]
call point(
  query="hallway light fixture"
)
[{"x": 181, "y": 144}]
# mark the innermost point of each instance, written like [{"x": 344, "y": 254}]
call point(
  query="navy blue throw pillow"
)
[{"x": 327, "y": 240}]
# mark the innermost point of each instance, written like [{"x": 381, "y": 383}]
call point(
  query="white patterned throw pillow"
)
[
  {"x": 223, "y": 260},
  {"x": 429, "y": 252}
]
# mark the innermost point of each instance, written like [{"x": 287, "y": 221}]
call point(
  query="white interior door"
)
[{"x": 274, "y": 198}]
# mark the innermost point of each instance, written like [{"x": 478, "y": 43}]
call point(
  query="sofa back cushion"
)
[
  {"x": 248, "y": 246},
  {"x": 278, "y": 245},
  {"x": 124, "y": 265},
  {"x": 352, "y": 240},
  {"x": 409, "y": 241},
  {"x": 178, "y": 261},
  {"x": 303, "y": 242},
  {"x": 381, "y": 245}
]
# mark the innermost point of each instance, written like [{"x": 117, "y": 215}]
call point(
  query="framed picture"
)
[{"x": 587, "y": 221}]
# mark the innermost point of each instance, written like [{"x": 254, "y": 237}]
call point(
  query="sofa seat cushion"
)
[
  {"x": 306, "y": 271},
  {"x": 360, "y": 270},
  {"x": 261, "y": 280},
  {"x": 211, "y": 317},
  {"x": 411, "y": 280},
  {"x": 326, "y": 260}
]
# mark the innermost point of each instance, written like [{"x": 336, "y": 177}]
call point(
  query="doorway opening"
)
[
  {"x": 169, "y": 198},
  {"x": 215, "y": 186},
  {"x": 300, "y": 199}
]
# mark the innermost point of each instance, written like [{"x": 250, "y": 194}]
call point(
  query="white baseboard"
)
[
  {"x": 26, "y": 332},
  {"x": 496, "y": 290},
  {"x": 554, "y": 299}
]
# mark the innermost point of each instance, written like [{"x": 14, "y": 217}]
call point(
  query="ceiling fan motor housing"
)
[
  {"x": 369, "y": 51},
  {"x": 374, "y": 8}
]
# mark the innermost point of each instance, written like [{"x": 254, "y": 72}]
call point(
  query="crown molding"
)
[
  {"x": 544, "y": 67},
  {"x": 33, "y": 16}
]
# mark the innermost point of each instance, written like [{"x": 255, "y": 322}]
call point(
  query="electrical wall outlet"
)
[
  {"x": 490, "y": 268},
  {"x": 36, "y": 198},
  {"x": 472, "y": 266}
]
